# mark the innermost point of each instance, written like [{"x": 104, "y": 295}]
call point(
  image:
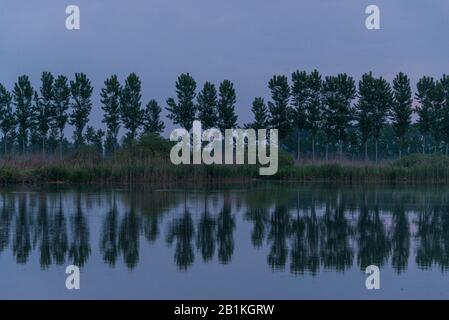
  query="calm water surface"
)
[{"x": 259, "y": 241}]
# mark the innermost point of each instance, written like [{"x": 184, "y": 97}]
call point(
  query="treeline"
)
[{"x": 316, "y": 117}]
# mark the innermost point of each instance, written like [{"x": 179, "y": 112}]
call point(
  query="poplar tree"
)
[
  {"x": 425, "y": 88},
  {"x": 81, "y": 91},
  {"x": 401, "y": 113},
  {"x": 23, "y": 99},
  {"x": 382, "y": 107},
  {"x": 279, "y": 110},
  {"x": 227, "y": 119},
  {"x": 299, "y": 97},
  {"x": 207, "y": 106},
  {"x": 183, "y": 112},
  {"x": 260, "y": 113},
  {"x": 314, "y": 107},
  {"x": 364, "y": 109},
  {"x": 110, "y": 100},
  {"x": 61, "y": 103},
  {"x": 43, "y": 107},
  {"x": 444, "y": 120},
  {"x": 130, "y": 105},
  {"x": 7, "y": 119},
  {"x": 339, "y": 91},
  {"x": 152, "y": 118}
]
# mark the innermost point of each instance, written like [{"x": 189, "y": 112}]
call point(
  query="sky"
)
[{"x": 245, "y": 41}]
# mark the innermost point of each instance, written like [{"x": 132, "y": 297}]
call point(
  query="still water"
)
[{"x": 258, "y": 241}]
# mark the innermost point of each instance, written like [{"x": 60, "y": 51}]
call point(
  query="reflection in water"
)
[{"x": 300, "y": 229}]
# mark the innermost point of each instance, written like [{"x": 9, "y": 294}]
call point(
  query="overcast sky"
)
[{"x": 246, "y": 41}]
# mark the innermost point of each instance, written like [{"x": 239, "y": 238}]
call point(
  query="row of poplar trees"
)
[{"x": 321, "y": 113}]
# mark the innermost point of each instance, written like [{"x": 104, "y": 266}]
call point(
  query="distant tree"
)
[
  {"x": 152, "y": 118},
  {"x": 110, "y": 100},
  {"x": 43, "y": 108},
  {"x": 300, "y": 98},
  {"x": 365, "y": 109},
  {"x": 94, "y": 138},
  {"x": 401, "y": 113},
  {"x": 425, "y": 88},
  {"x": 279, "y": 108},
  {"x": 61, "y": 103},
  {"x": 339, "y": 91},
  {"x": 227, "y": 119},
  {"x": 183, "y": 112},
  {"x": 381, "y": 109},
  {"x": 444, "y": 83},
  {"x": 81, "y": 91},
  {"x": 314, "y": 107},
  {"x": 130, "y": 104},
  {"x": 23, "y": 99},
  {"x": 260, "y": 113},
  {"x": 207, "y": 106},
  {"x": 7, "y": 119}
]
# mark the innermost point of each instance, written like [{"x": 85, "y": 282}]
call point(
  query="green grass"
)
[{"x": 148, "y": 162}]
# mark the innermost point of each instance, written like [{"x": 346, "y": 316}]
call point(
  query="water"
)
[{"x": 259, "y": 241}]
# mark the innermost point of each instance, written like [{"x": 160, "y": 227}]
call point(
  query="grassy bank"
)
[{"x": 148, "y": 162}]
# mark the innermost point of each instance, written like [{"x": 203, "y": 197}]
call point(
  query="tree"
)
[
  {"x": 61, "y": 103},
  {"x": 339, "y": 91},
  {"x": 401, "y": 113},
  {"x": 279, "y": 108},
  {"x": 227, "y": 119},
  {"x": 364, "y": 108},
  {"x": 152, "y": 118},
  {"x": 183, "y": 112},
  {"x": 81, "y": 91},
  {"x": 110, "y": 100},
  {"x": 130, "y": 105},
  {"x": 444, "y": 83},
  {"x": 260, "y": 112},
  {"x": 94, "y": 138},
  {"x": 23, "y": 98},
  {"x": 43, "y": 107},
  {"x": 7, "y": 120},
  {"x": 314, "y": 106},
  {"x": 300, "y": 97},
  {"x": 382, "y": 106},
  {"x": 207, "y": 106},
  {"x": 425, "y": 88}
]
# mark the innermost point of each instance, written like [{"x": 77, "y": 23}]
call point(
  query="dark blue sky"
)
[{"x": 246, "y": 41}]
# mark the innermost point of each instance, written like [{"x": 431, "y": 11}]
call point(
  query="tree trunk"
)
[
  {"x": 341, "y": 150},
  {"x": 43, "y": 148},
  {"x": 313, "y": 148},
  {"x": 366, "y": 150},
  {"x": 424, "y": 144},
  {"x": 400, "y": 152},
  {"x": 298, "y": 137},
  {"x": 376, "y": 149},
  {"x": 327, "y": 151}
]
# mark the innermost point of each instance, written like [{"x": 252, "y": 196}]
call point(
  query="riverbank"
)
[{"x": 141, "y": 167}]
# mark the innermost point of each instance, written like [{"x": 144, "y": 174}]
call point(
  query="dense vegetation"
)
[{"x": 318, "y": 119}]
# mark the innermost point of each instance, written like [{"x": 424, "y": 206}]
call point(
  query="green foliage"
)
[
  {"x": 7, "y": 119},
  {"x": 23, "y": 98},
  {"x": 61, "y": 104},
  {"x": 130, "y": 105},
  {"x": 207, "y": 106},
  {"x": 279, "y": 108},
  {"x": 152, "y": 122},
  {"x": 401, "y": 113},
  {"x": 227, "y": 119},
  {"x": 183, "y": 112},
  {"x": 110, "y": 100},
  {"x": 260, "y": 113},
  {"x": 81, "y": 91},
  {"x": 338, "y": 91}
]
